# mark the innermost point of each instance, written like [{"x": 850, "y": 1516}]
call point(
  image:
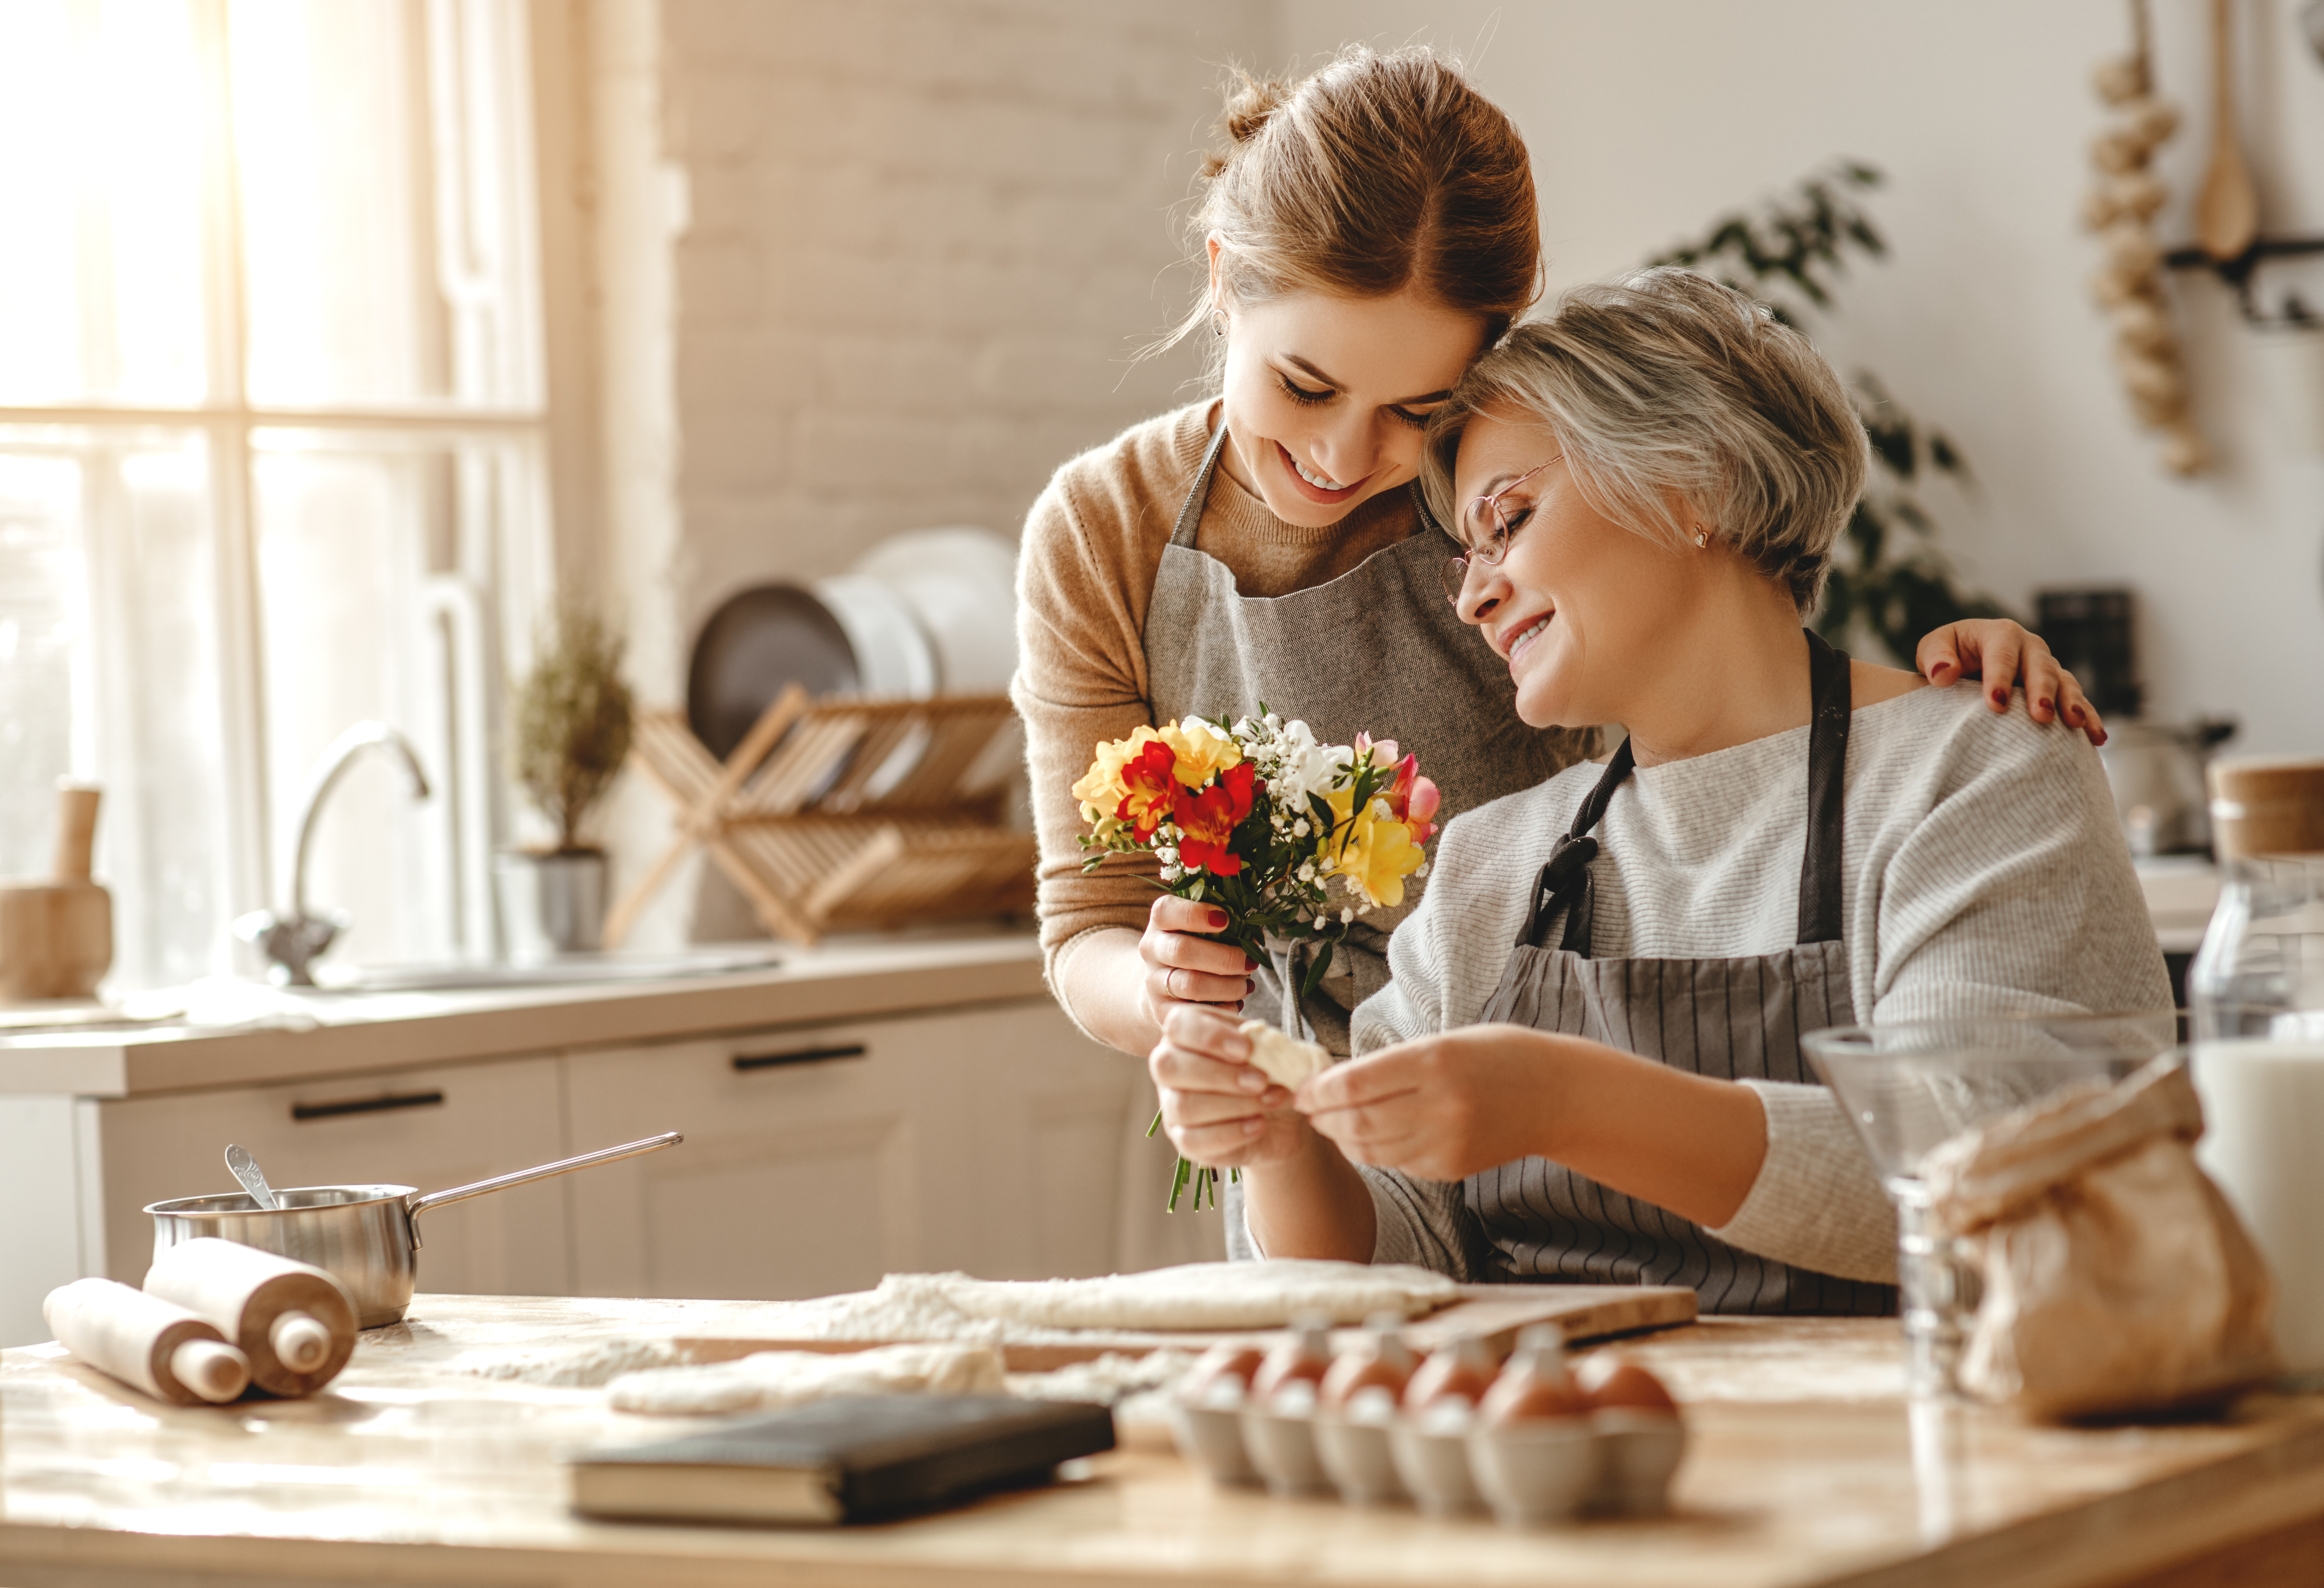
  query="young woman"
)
[
  {"x": 1369, "y": 233},
  {"x": 1587, "y": 1064}
]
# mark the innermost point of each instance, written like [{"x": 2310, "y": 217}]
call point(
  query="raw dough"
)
[
  {"x": 773, "y": 1378},
  {"x": 1206, "y": 1295},
  {"x": 1284, "y": 1060}
]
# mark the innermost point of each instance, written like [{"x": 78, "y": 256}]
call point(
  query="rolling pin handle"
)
[
  {"x": 301, "y": 1342},
  {"x": 76, "y": 831},
  {"x": 211, "y": 1368}
]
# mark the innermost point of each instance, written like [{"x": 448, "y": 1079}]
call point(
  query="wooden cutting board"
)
[{"x": 1494, "y": 1313}]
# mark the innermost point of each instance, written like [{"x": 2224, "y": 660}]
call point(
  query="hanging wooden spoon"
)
[{"x": 2226, "y": 208}]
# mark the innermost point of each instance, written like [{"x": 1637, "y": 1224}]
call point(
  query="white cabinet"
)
[
  {"x": 818, "y": 1159},
  {"x": 432, "y": 1129}
]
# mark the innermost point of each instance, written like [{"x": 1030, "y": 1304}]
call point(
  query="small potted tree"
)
[{"x": 571, "y": 721}]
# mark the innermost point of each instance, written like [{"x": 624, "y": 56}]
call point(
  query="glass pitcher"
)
[{"x": 2256, "y": 989}]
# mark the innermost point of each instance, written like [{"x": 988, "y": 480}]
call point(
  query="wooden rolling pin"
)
[
  {"x": 294, "y": 1321},
  {"x": 142, "y": 1340},
  {"x": 56, "y": 936}
]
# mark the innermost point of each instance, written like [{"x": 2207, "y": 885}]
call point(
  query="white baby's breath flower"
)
[
  {"x": 1300, "y": 829},
  {"x": 1346, "y": 916},
  {"x": 1307, "y": 871},
  {"x": 1167, "y": 855}
]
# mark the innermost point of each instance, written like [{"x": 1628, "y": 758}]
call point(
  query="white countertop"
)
[{"x": 246, "y": 1034}]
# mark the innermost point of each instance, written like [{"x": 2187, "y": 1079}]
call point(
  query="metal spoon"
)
[{"x": 245, "y": 1169}]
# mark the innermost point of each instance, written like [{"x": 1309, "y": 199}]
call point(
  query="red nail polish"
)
[
  {"x": 2001, "y": 697},
  {"x": 2043, "y": 705},
  {"x": 1218, "y": 920}
]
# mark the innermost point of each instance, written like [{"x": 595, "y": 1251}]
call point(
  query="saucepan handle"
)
[{"x": 418, "y": 1204}]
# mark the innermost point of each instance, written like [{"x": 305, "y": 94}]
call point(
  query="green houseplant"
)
[
  {"x": 571, "y": 720},
  {"x": 1887, "y": 576}
]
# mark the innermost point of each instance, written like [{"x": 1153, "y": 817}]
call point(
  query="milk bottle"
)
[{"x": 2257, "y": 988}]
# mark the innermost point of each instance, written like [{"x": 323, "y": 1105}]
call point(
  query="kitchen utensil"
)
[
  {"x": 56, "y": 936},
  {"x": 244, "y": 1169},
  {"x": 143, "y": 1341},
  {"x": 1912, "y": 1087},
  {"x": 2227, "y": 206},
  {"x": 844, "y": 635},
  {"x": 2155, "y": 771},
  {"x": 367, "y": 1237},
  {"x": 295, "y": 1323}
]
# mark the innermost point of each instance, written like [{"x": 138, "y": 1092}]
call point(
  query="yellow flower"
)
[
  {"x": 1102, "y": 790},
  {"x": 1202, "y": 750},
  {"x": 1378, "y": 854}
]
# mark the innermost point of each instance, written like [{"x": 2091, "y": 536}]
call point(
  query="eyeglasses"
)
[{"x": 1489, "y": 534}]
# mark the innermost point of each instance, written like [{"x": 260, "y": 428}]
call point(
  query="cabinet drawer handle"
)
[
  {"x": 769, "y": 1061},
  {"x": 303, "y": 1112}
]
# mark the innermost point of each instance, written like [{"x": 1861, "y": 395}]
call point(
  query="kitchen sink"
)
[{"x": 566, "y": 969}]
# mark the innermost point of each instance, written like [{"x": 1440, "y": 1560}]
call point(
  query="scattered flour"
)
[
  {"x": 566, "y": 1367},
  {"x": 776, "y": 1379}
]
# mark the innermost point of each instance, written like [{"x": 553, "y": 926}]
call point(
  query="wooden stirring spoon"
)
[{"x": 2226, "y": 206}]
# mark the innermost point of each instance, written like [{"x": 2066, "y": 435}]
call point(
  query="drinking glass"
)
[{"x": 1909, "y": 1087}]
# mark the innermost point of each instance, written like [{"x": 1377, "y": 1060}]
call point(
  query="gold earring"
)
[
  {"x": 1218, "y": 322},
  {"x": 1703, "y": 538}
]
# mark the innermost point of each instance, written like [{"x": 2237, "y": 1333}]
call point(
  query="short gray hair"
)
[{"x": 1679, "y": 402}]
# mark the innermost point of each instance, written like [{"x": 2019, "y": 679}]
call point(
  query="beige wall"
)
[{"x": 1649, "y": 117}]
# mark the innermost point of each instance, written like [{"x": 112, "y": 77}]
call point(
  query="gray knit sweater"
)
[{"x": 1983, "y": 871}]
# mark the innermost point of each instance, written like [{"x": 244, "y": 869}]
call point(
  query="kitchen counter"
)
[
  {"x": 1807, "y": 1467},
  {"x": 266, "y": 1034}
]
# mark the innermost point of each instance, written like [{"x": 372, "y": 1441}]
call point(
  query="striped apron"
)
[{"x": 1733, "y": 1019}]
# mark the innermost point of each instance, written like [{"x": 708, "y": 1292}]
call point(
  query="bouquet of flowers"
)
[{"x": 1261, "y": 821}]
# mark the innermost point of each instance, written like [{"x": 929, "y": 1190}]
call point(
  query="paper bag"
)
[{"x": 2117, "y": 1278}]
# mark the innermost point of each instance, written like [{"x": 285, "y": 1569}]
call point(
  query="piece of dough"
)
[
  {"x": 775, "y": 1379},
  {"x": 1284, "y": 1060},
  {"x": 1207, "y": 1295}
]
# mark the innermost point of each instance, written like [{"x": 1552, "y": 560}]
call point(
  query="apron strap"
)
[
  {"x": 1564, "y": 883},
  {"x": 1191, "y": 513},
  {"x": 1827, "y": 670}
]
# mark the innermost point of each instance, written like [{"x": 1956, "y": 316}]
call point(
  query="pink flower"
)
[{"x": 1413, "y": 799}]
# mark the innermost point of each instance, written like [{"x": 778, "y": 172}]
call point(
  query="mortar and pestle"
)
[{"x": 56, "y": 936}]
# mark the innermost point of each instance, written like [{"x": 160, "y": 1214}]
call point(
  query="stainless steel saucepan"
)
[{"x": 367, "y": 1236}]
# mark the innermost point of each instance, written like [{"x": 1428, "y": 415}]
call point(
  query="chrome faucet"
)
[{"x": 294, "y": 940}]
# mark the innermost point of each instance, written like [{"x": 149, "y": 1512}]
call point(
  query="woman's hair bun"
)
[{"x": 1252, "y": 102}]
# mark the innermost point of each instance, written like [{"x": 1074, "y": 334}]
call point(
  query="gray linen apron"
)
[
  {"x": 1377, "y": 651},
  {"x": 1729, "y": 1018}
]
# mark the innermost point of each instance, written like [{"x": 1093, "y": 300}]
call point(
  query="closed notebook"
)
[{"x": 843, "y": 1460}]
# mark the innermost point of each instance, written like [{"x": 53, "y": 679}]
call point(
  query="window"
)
[{"x": 271, "y": 451}]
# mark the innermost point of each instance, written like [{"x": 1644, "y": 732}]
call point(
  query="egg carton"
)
[{"x": 1614, "y": 1462}]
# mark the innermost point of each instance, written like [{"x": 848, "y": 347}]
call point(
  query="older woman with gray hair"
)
[{"x": 1586, "y": 1065}]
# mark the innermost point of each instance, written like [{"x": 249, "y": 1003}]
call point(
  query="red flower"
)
[
  {"x": 1152, "y": 788},
  {"x": 1208, "y": 819}
]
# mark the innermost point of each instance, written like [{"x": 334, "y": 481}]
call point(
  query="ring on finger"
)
[{"x": 1170, "y": 981}]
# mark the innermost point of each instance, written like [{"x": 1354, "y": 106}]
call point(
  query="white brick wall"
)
[
  {"x": 867, "y": 267},
  {"x": 924, "y": 236}
]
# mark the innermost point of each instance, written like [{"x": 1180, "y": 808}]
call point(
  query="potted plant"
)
[{"x": 572, "y": 719}]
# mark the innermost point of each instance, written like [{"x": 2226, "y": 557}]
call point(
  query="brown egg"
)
[
  {"x": 1614, "y": 1381},
  {"x": 1462, "y": 1370},
  {"x": 1304, "y": 1357},
  {"x": 1534, "y": 1385},
  {"x": 1221, "y": 1362},
  {"x": 1381, "y": 1361}
]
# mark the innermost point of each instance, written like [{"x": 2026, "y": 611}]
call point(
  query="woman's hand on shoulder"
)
[
  {"x": 1184, "y": 966},
  {"x": 2004, "y": 653},
  {"x": 1441, "y": 1107},
  {"x": 1217, "y": 1108}
]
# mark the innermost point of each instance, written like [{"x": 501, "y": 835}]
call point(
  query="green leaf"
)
[{"x": 1314, "y": 976}]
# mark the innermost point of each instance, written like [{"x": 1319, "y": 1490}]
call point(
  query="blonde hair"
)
[
  {"x": 1374, "y": 174},
  {"x": 1683, "y": 406}
]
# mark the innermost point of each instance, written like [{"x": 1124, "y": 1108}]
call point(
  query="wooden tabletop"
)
[{"x": 1807, "y": 1466}]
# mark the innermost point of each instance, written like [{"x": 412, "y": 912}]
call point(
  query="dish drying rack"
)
[{"x": 825, "y": 817}]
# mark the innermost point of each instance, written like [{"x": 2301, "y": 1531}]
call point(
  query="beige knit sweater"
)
[{"x": 1091, "y": 545}]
